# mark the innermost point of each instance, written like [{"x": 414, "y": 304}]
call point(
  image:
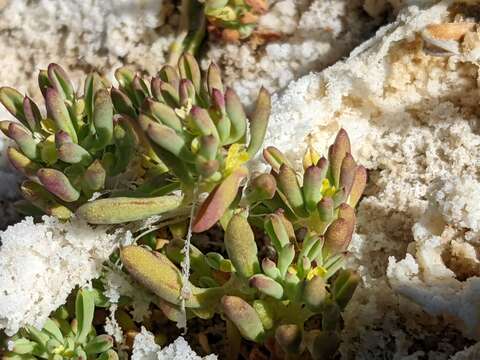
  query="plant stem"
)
[
  {"x": 188, "y": 14},
  {"x": 186, "y": 291}
]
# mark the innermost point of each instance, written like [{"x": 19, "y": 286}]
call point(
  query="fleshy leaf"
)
[
  {"x": 241, "y": 246},
  {"x": 237, "y": 116},
  {"x": 338, "y": 236},
  {"x": 59, "y": 80},
  {"x": 164, "y": 114},
  {"x": 124, "y": 209},
  {"x": 24, "y": 139},
  {"x": 263, "y": 187},
  {"x": 358, "y": 186},
  {"x": 58, "y": 184},
  {"x": 58, "y": 111},
  {"x": 73, "y": 154},
  {"x": 13, "y": 102},
  {"x": 103, "y": 119},
  {"x": 259, "y": 122},
  {"x": 189, "y": 69},
  {"x": 84, "y": 311},
  {"x": 312, "y": 187},
  {"x": 344, "y": 287},
  {"x": 288, "y": 184},
  {"x": 275, "y": 158},
  {"x": 157, "y": 273},
  {"x": 244, "y": 317},
  {"x": 314, "y": 293},
  {"x": 23, "y": 164},
  {"x": 42, "y": 199},
  {"x": 337, "y": 153},
  {"x": 219, "y": 200},
  {"x": 267, "y": 286}
]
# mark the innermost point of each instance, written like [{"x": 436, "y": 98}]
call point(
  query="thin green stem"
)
[{"x": 184, "y": 42}]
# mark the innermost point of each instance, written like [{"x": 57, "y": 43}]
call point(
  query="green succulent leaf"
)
[
  {"x": 58, "y": 184},
  {"x": 241, "y": 246},
  {"x": 275, "y": 158},
  {"x": 12, "y": 100},
  {"x": 337, "y": 153},
  {"x": 53, "y": 329},
  {"x": 189, "y": 69},
  {"x": 58, "y": 78},
  {"x": 125, "y": 209},
  {"x": 24, "y": 139},
  {"x": 157, "y": 273},
  {"x": 259, "y": 122},
  {"x": 267, "y": 286},
  {"x": 218, "y": 201},
  {"x": 32, "y": 114},
  {"x": 99, "y": 344},
  {"x": 103, "y": 119},
  {"x": 358, "y": 185},
  {"x": 244, "y": 316},
  {"x": 84, "y": 311},
  {"x": 59, "y": 112},
  {"x": 344, "y": 286},
  {"x": 22, "y": 163},
  {"x": 236, "y": 114}
]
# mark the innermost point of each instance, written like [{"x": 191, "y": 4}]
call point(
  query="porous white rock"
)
[
  {"x": 41, "y": 263},
  {"x": 145, "y": 348},
  {"x": 430, "y": 283},
  {"x": 81, "y": 35}
]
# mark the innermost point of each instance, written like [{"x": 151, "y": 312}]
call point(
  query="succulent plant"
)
[
  {"x": 60, "y": 339},
  {"x": 324, "y": 197},
  {"x": 302, "y": 279},
  {"x": 193, "y": 134},
  {"x": 231, "y": 20},
  {"x": 76, "y": 149},
  {"x": 234, "y": 20},
  {"x": 274, "y": 295},
  {"x": 263, "y": 298},
  {"x": 146, "y": 150}
]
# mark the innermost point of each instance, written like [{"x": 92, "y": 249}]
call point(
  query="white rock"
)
[
  {"x": 145, "y": 348},
  {"x": 42, "y": 263}
]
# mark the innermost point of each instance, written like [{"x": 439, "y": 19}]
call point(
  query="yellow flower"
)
[
  {"x": 316, "y": 271},
  {"x": 236, "y": 157},
  {"x": 328, "y": 189}
]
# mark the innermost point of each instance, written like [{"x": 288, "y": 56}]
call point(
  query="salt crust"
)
[
  {"x": 412, "y": 118},
  {"x": 42, "y": 263},
  {"x": 145, "y": 348}
]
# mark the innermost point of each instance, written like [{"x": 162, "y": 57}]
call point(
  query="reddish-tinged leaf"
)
[{"x": 218, "y": 201}]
